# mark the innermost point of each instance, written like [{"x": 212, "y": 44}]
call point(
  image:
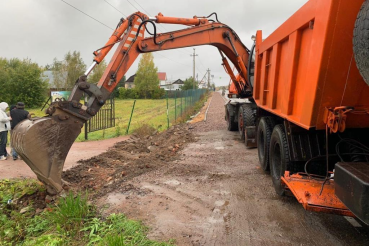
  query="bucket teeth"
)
[{"x": 44, "y": 144}]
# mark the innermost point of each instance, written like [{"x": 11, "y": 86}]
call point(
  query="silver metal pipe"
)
[
  {"x": 88, "y": 71},
  {"x": 152, "y": 18}
]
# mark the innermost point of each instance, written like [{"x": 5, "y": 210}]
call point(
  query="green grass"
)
[
  {"x": 147, "y": 111},
  {"x": 71, "y": 221}
]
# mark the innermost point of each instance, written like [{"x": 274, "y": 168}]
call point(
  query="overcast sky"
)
[{"x": 46, "y": 29}]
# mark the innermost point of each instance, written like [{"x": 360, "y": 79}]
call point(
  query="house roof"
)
[
  {"x": 131, "y": 79},
  {"x": 178, "y": 81},
  {"x": 162, "y": 75}
]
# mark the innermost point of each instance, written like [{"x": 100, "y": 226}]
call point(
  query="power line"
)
[
  {"x": 87, "y": 14},
  {"x": 202, "y": 64},
  {"x": 133, "y": 5},
  {"x": 147, "y": 13},
  {"x": 110, "y": 27},
  {"x": 173, "y": 60},
  {"x": 142, "y": 7},
  {"x": 115, "y": 8},
  {"x": 159, "y": 27}
]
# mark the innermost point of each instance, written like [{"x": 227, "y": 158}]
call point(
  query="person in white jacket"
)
[{"x": 4, "y": 128}]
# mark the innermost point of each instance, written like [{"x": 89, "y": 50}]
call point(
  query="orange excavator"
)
[
  {"x": 300, "y": 96},
  {"x": 44, "y": 143}
]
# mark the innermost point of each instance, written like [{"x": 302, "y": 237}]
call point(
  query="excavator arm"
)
[
  {"x": 44, "y": 143},
  {"x": 130, "y": 35}
]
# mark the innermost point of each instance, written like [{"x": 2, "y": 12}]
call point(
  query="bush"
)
[
  {"x": 128, "y": 93},
  {"x": 20, "y": 81},
  {"x": 157, "y": 93},
  {"x": 134, "y": 93}
]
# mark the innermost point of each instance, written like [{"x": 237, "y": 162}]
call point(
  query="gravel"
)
[{"x": 215, "y": 117}]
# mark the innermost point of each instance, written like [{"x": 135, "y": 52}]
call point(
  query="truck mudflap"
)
[
  {"x": 352, "y": 187},
  {"x": 307, "y": 192},
  {"x": 250, "y": 137}
]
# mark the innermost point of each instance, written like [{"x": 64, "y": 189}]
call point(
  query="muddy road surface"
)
[
  {"x": 198, "y": 184},
  {"x": 214, "y": 193}
]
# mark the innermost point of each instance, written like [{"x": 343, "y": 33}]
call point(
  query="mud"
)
[
  {"x": 214, "y": 193},
  {"x": 111, "y": 170}
]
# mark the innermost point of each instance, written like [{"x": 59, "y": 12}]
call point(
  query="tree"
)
[
  {"x": 20, "y": 81},
  {"x": 59, "y": 74},
  {"x": 146, "y": 79},
  {"x": 189, "y": 84},
  {"x": 67, "y": 72},
  {"x": 119, "y": 85}
]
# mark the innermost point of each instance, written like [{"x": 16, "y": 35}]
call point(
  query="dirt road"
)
[
  {"x": 216, "y": 194},
  {"x": 79, "y": 150}
]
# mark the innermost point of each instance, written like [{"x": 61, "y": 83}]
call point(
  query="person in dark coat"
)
[{"x": 18, "y": 115}]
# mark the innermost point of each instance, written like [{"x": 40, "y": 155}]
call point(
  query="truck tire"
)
[
  {"x": 264, "y": 133},
  {"x": 361, "y": 41},
  {"x": 279, "y": 158},
  {"x": 246, "y": 117},
  {"x": 230, "y": 118}
]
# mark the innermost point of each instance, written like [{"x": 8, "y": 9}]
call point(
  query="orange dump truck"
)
[{"x": 310, "y": 106}]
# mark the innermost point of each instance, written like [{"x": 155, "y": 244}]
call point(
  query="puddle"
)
[
  {"x": 222, "y": 192},
  {"x": 221, "y": 203},
  {"x": 172, "y": 182},
  {"x": 115, "y": 198}
]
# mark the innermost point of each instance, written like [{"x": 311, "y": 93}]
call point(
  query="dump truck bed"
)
[{"x": 307, "y": 65}]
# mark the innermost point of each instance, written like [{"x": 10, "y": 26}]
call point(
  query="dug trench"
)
[{"x": 112, "y": 170}]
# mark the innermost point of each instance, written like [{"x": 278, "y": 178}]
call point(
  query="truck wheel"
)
[
  {"x": 264, "y": 133},
  {"x": 361, "y": 41},
  {"x": 246, "y": 117},
  {"x": 279, "y": 158},
  {"x": 230, "y": 117}
]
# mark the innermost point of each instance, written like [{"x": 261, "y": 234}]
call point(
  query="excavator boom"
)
[{"x": 44, "y": 143}]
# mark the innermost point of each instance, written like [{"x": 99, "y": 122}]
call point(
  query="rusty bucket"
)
[{"x": 44, "y": 143}]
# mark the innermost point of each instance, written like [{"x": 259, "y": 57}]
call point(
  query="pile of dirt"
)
[
  {"x": 32, "y": 204},
  {"x": 111, "y": 170}
]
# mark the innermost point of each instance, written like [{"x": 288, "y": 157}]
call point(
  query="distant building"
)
[
  {"x": 162, "y": 78},
  {"x": 173, "y": 85},
  {"x": 129, "y": 84}
]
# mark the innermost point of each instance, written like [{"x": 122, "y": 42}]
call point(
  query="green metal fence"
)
[
  {"x": 174, "y": 108},
  {"x": 159, "y": 113},
  {"x": 182, "y": 101}
]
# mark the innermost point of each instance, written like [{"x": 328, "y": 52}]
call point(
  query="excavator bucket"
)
[{"x": 44, "y": 143}]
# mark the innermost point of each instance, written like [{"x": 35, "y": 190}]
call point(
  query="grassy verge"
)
[
  {"x": 194, "y": 109},
  {"x": 71, "y": 220},
  {"x": 147, "y": 111}
]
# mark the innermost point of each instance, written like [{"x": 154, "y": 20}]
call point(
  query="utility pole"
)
[
  {"x": 208, "y": 78},
  {"x": 194, "y": 54}
]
